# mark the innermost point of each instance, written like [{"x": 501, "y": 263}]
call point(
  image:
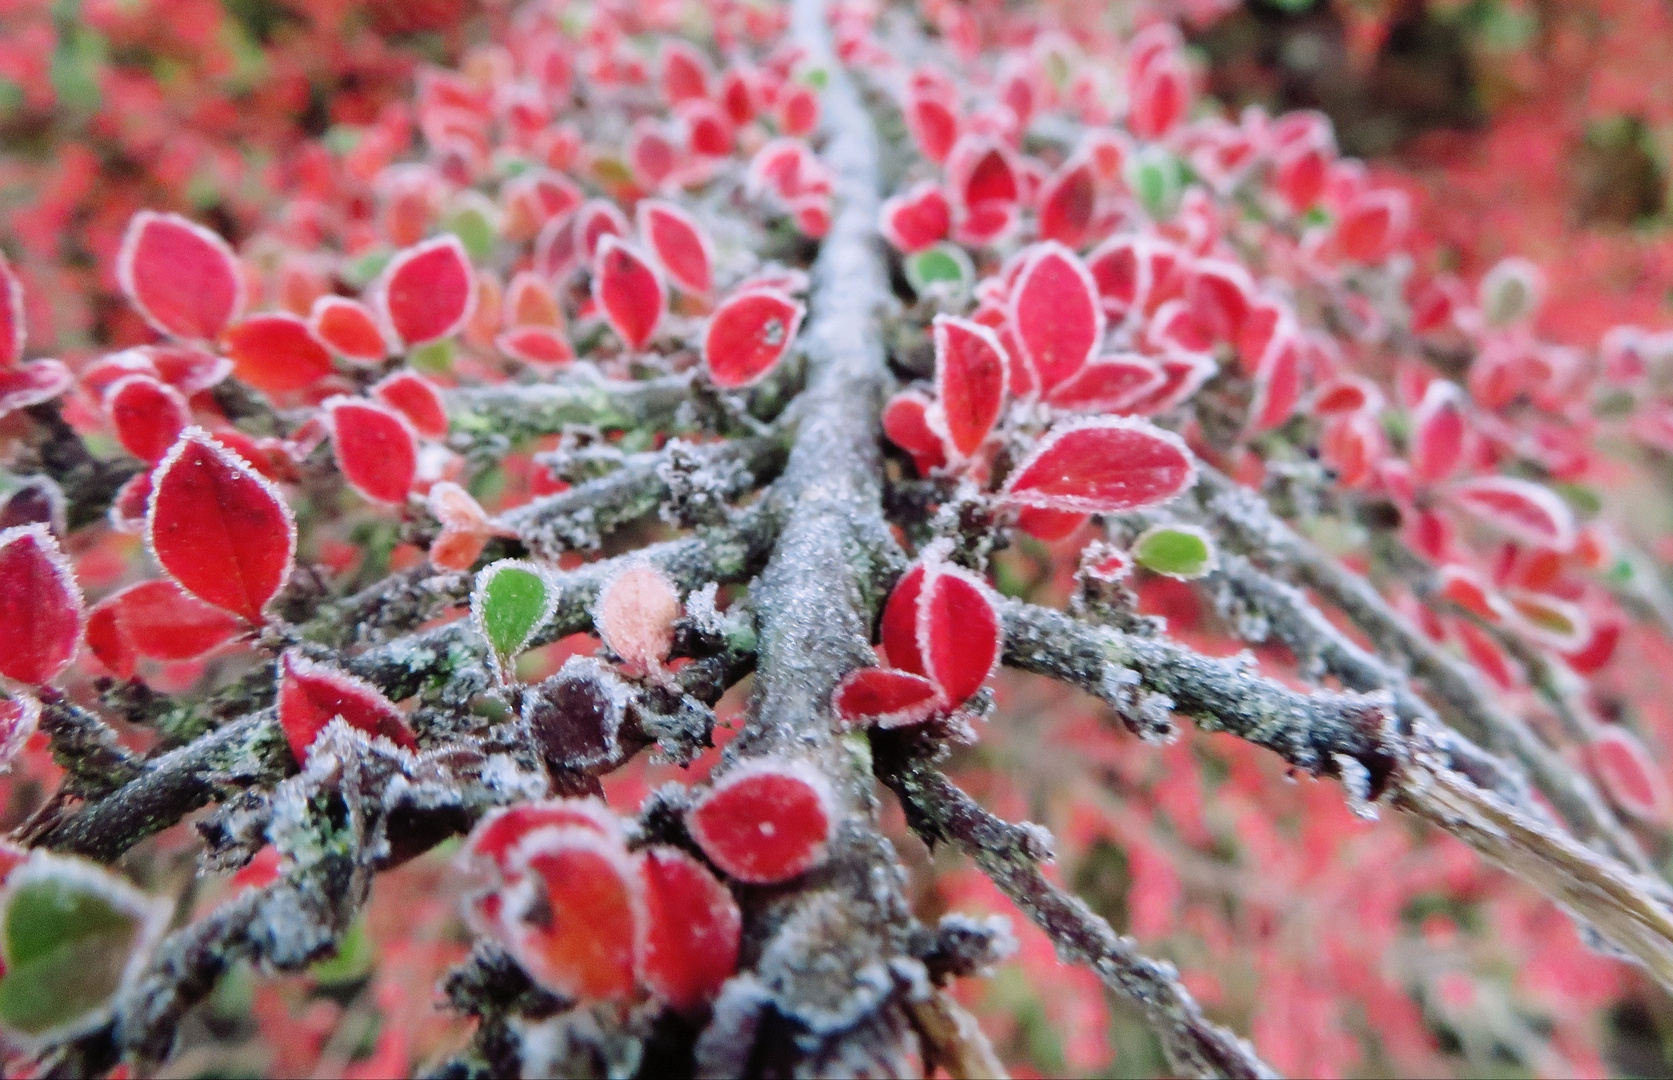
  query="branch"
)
[
  {"x": 1010, "y": 855},
  {"x": 496, "y": 417}
]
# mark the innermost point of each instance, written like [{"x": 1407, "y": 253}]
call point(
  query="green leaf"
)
[
  {"x": 512, "y": 600},
  {"x": 1175, "y": 550},
  {"x": 68, "y": 932},
  {"x": 943, "y": 269},
  {"x": 356, "y": 954},
  {"x": 432, "y": 358},
  {"x": 1157, "y": 179},
  {"x": 476, "y": 231},
  {"x": 363, "y": 270}
]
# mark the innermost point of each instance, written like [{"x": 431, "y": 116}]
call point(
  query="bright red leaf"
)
[
  {"x": 277, "y": 352},
  {"x": 971, "y": 376},
  {"x": 1055, "y": 313},
  {"x": 219, "y": 528},
  {"x": 573, "y": 921},
  {"x": 688, "y": 939},
  {"x": 886, "y": 698},
  {"x": 40, "y": 606},
  {"x": 906, "y": 424},
  {"x": 183, "y": 279},
  {"x": 1520, "y": 508},
  {"x": 376, "y": 448},
  {"x": 416, "y": 398},
  {"x": 765, "y": 820},
  {"x": 427, "y": 291},
  {"x": 148, "y": 415},
  {"x": 1102, "y": 465},
  {"x": 11, "y": 316},
  {"x": 916, "y": 219},
  {"x": 348, "y": 327},
  {"x": 680, "y": 245},
  {"x": 1067, "y": 203},
  {"x": 899, "y": 625},
  {"x": 958, "y": 631},
  {"x": 311, "y": 695},
  {"x": 748, "y": 334},
  {"x": 629, "y": 291}
]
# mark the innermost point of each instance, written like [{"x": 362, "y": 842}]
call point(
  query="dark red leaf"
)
[{"x": 1066, "y": 204}]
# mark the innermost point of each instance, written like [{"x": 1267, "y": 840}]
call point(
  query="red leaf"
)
[
  {"x": 542, "y": 346},
  {"x": 981, "y": 171},
  {"x": 1522, "y": 509},
  {"x": 311, "y": 695},
  {"x": 349, "y": 327},
  {"x": 933, "y": 124},
  {"x": 277, "y": 352},
  {"x": 1160, "y": 97},
  {"x": 680, "y": 245},
  {"x": 110, "y": 642},
  {"x": 1102, "y": 465},
  {"x": 219, "y": 528},
  {"x": 1598, "y": 651},
  {"x": 1109, "y": 384},
  {"x": 1373, "y": 225},
  {"x": 958, "y": 631},
  {"x": 971, "y": 374},
  {"x": 159, "y": 620},
  {"x": 148, "y": 416},
  {"x": 597, "y": 219},
  {"x": 1352, "y": 445},
  {"x": 1055, "y": 313},
  {"x": 11, "y": 316},
  {"x": 40, "y": 606},
  {"x": 1346, "y": 394},
  {"x": 131, "y": 504},
  {"x": 1049, "y": 525},
  {"x": 574, "y": 921},
  {"x": 416, "y": 398},
  {"x": 886, "y": 698},
  {"x": 917, "y": 219},
  {"x": 766, "y": 820},
  {"x": 183, "y": 279},
  {"x": 1438, "y": 430},
  {"x": 651, "y": 154},
  {"x": 20, "y": 716},
  {"x": 187, "y": 368},
  {"x": 1486, "y": 654},
  {"x": 1631, "y": 775},
  {"x": 748, "y": 334},
  {"x": 688, "y": 939},
  {"x": 708, "y": 130},
  {"x": 685, "y": 72},
  {"x": 985, "y": 223},
  {"x": 629, "y": 291},
  {"x": 1221, "y": 295},
  {"x": 427, "y": 292},
  {"x": 32, "y": 383},
  {"x": 906, "y": 423},
  {"x": 1277, "y": 385},
  {"x": 1067, "y": 202},
  {"x": 376, "y": 448},
  {"x": 899, "y": 625},
  {"x": 496, "y": 836},
  {"x": 1185, "y": 374}
]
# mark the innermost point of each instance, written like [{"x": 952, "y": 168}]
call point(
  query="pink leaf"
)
[
  {"x": 1185, "y": 373},
  {"x": 981, "y": 171},
  {"x": 971, "y": 374},
  {"x": 376, "y": 448},
  {"x": 1109, "y": 384},
  {"x": 635, "y": 617},
  {"x": 597, "y": 219},
  {"x": 886, "y": 698},
  {"x": 629, "y": 291},
  {"x": 1373, "y": 225},
  {"x": 11, "y": 316},
  {"x": 32, "y": 383},
  {"x": 529, "y": 301},
  {"x": 1631, "y": 775},
  {"x": 416, "y": 398},
  {"x": 958, "y": 631},
  {"x": 748, "y": 334},
  {"x": 917, "y": 219},
  {"x": 277, "y": 352},
  {"x": 348, "y": 327},
  {"x": 1055, "y": 313},
  {"x": 1102, "y": 465},
  {"x": 766, "y": 820},
  {"x": 183, "y": 279},
  {"x": 148, "y": 416},
  {"x": 311, "y": 695},
  {"x": 1522, "y": 509},
  {"x": 680, "y": 245},
  {"x": 541, "y": 346},
  {"x": 688, "y": 939},
  {"x": 219, "y": 528},
  {"x": 494, "y": 840},
  {"x": 933, "y": 124},
  {"x": 40, "y": 606},
  {"x": 427, "y": 292}
]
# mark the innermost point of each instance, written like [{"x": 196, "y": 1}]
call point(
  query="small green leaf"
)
[
  {"x": 356, "y": 954},
  {"x": 433, "y": 358},
  {"x": 1157, "y": 179},
  {"x": 944, "y": 269},
  {"x": 1175, "y": 550},
  {"x": 69, "y": 931},
  {"x": 512, "y": 600},
  {"x": 475, "y": 229},
  {"x": 362, "y": 271}
]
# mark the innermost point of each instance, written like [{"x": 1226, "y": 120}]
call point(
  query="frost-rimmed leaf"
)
[
  {"x": 542, "y": 346},
  {"x": 72, "y": 935},
  {"x": 348, "y": 327},
  {"x": 148, "y": 415},
  {"x": 1630, "y": 774},
  {"x": 375, "y": 446},
  {"x": 182, "y": 278},
  {"x": 1177, "y": 551},
  {"x": 629, "y": 291},
  {"x": 958, "y": 630},
  {"x": 906, "y": 424},
  {"x": 219, "y": 528},
  {"x": 512, "y": 599},
  {"x": 886, "y": 698},
  {"x": 1521, "y": 508},
  {"x": 942, "y": 271},
  {"x": 1439, "y": 427},
  {"x": 311, "y": 695},
  {"x": 1055, "y": 313},
  {"x": 40, "y": 606},
  {"x": 1102, "y": 465},
  {"x": 748, "y": 334},
  {"x": 1112, "y": 383},
  {"x": 571, "y": 919},
  {"x": 681, "y": 246},
  {"x": 427, "y": 292},
  {"x": 156, "y": 619},
  {"x": 20, "y": 716},
  {"x": 416, "y": 398},
  {"x": 635, "y": 616},
  {"x": 32, "y": 383},
  {"x": 276, "y": 351},
  {"x": 916, "y": 219},
  {"x": 688, "y": 940},
  {"x": 972, "y": 376},
  {"x": 766, "y": 820}
]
